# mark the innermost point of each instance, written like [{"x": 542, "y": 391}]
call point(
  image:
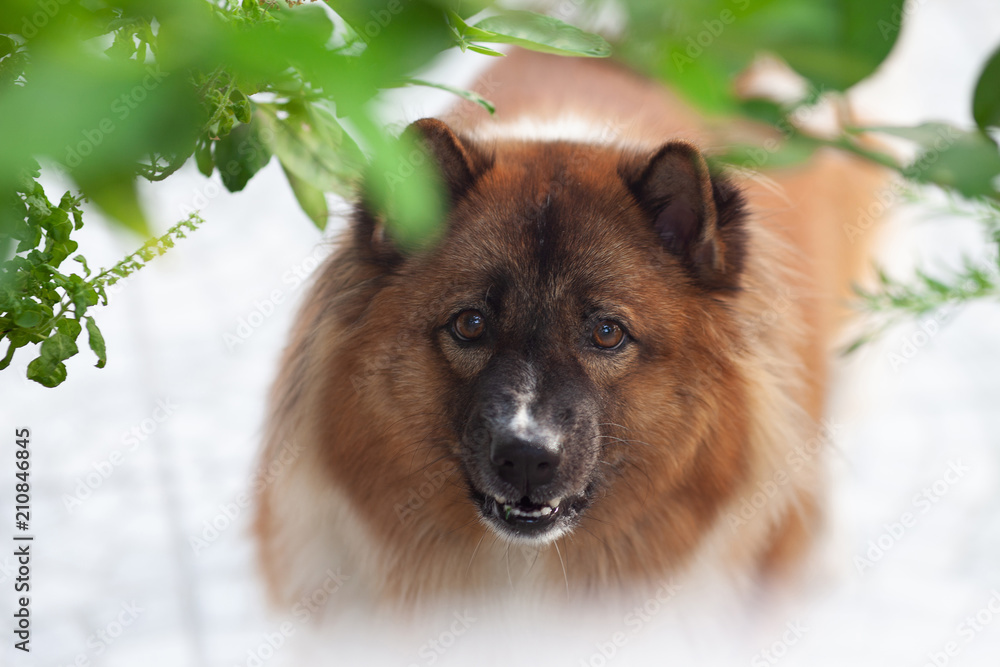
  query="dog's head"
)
[{"x": 561, "y": 317}]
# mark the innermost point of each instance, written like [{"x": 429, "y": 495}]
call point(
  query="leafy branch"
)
[
  {"x": 232, "y": 84},
  {"x": 893, "y": 300},
  {"x": 43, "y": 304}
]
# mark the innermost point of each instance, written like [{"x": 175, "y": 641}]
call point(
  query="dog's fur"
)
[{"x": 583, "y": 201}]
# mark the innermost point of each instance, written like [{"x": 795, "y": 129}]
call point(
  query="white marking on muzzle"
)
[{"x": 524, "y": 425}]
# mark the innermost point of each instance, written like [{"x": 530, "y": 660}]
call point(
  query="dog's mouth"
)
[{"x": 527, "y": 519}]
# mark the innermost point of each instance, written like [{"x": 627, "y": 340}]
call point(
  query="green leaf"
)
[
  {"x": 31, "y": 239},
  {"x": 461, "y": 92},
  {"x": 11, "y": 349},
  {"x": 7, "y": 46},
  {"x": 123, "y": 46},
  {"x": 83, "y": 261},
  {"x": 12, "y": 67},
  {"x": 307, "y": 22},
  {"x": 203, "y": 156},
  {"x": 81, "y": 293},
  {"x": 116, "y": 194},
  {"x": 968, "y": 162},
  {"x": 485, "y": 50},
  {"x": 69, "y": 330},
  {"x": 58, "y": 228},
  {"x": 241, "y": 106},
  {"x": 48, "y": 368},
  {"x": 835, "y": 44},
  {"x": 764, "y": 110},
  {"x": 311, "y": 145},
  {"x": 32, "y": 315},
  {"x": 793, "y": 150},
  {"x": 540, "y": 33},
  {"x": 925, "y": 133},
  {"x": 986, "y": 100},
  {"x": 96, "y": 341},
  {"x": 403, "y": 186},
  {"x": 241, "y": 154},
  {"x": 311, "y": 199},
  {"x": 46, "y": 372},
  {"x": 970, "y": 166},
  {"x": 464, "y": 30},
  {"x": 706, "y": 85},
  {"x": 21, "y": 337}
]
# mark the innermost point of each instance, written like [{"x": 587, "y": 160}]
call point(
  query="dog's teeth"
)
[
  {"x": 554, "y": 503},
  {"x": 510, "y": 510}
]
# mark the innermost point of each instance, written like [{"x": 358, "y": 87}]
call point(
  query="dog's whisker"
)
[
  {"x": 474, "y": 519},
  {"x": 624, "y": 428},
  {"x": 426, "y": 451},
  {"x": 644, "y": 473},
  {"x": 591, "y": 517},
  {"x": 627, "y": 440},
  {"x": 474, "y": 552},
  {"x": 534, "y": 560},
  {"x": 420, "y": 445},
  {"x": 444, "y": 456},
  {"x": 555, "y": 543},
  {"x": 596, "y": 536},
  {"x": 506, "y": 555},
  {"x": 424, "y": 444}
]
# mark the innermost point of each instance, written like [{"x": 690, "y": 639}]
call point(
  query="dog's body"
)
[{"x": 613, "y": 361}]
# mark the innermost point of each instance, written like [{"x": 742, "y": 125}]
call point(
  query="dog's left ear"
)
[{"x": 698, "y": 217}]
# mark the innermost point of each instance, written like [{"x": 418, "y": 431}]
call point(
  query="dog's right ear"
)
[
  {"x": 453, "y": 161},
  {"x": 458, "y": 160}
]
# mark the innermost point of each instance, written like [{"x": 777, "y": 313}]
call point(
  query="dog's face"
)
[
  {"x": 558, "y": 303},
  {"x": 539, "y": 331}
]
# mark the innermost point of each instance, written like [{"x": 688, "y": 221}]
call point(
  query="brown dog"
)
[{"x": 613, "y": 360}]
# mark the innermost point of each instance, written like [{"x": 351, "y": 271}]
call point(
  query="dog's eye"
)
[
  {"x": 469, "y": 325},
  {"x": 608, "y": 335}
]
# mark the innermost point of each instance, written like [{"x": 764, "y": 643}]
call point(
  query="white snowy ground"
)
[{"x": 115, "y": 581}]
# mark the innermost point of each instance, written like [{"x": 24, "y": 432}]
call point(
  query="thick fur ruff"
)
[{"x": 709, "y": 436}]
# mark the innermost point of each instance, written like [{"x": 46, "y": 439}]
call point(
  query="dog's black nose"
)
[{"x": 522, "y": 464}]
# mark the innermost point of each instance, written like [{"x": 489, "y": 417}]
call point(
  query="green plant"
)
[
  {"x": 701, "y": 46},
  {"x": 43, "y": 304},
  {"x": 893, "y": 300},
  {"x": 151, "y": 84},
  {"x": 110, "y": 91}
]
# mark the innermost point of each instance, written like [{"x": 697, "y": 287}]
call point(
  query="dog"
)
[{"x": 613, "y": 359}]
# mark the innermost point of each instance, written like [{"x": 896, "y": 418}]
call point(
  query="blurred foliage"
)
[
  {"x": 702, "y": 46},
  {"x": 934, "y": 296},
  {"x": 55, "y": 311},
  {"x": 109, "y": 91}
]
